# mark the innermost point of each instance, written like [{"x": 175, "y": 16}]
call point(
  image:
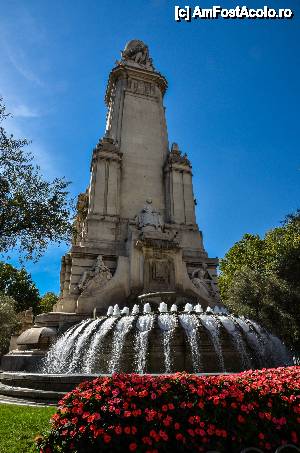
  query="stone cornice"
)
[
  {"x": 125, "y": 72},
  {"x": 181, "y": 168},
  {"x": 106, "y": 149}
]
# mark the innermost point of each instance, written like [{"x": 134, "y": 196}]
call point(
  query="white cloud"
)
[
  {"x": 18, "y": 60},
  {"x": 24, "y": 111}
]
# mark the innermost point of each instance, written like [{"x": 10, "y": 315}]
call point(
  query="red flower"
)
[
  {"x": 294, "y": 437},
  {"x": 241, "y": 419},
  {"x": 147, "y": 440},
  {"x": 118, "y": 430},
  {"x": 107, "y": 438},
  {"x": 109, "y": 402},
  {"x": 163, "y": 435}
]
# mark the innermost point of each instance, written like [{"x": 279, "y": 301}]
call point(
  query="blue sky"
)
[{"x": 232, "y": 103}]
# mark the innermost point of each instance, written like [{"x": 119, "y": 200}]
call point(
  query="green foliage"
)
[
  {"x": 247, "y": 253},
  {"x": 20, "y": 425},
  {"x": 33, "y": 211},
  {"x": 18, "y": 285},
  {"x": 47, "y": 302},
  {"x": 8, "y": 321},
  {"x": 283, "y": 249},
  {"x": 260, "y": 279}
]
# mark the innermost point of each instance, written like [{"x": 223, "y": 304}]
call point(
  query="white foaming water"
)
[
  {"x": 121, "y": 330},
  {"x": 144, "y": 325},
  {"x": 110, "y": 311},
  {"x": 81, "y": 345},
  {"x": 252, "y": 338},
  {"x": 190, "y": 324},
  {"x": 167, "y": 324},
  {"x": 188, "y": 307},
  {"x": 212, "y": 326},
  {"x": 262, "y": 340},
  {"x": 273, "y": 348},
  {"x": 198, "y": 308},
  {"x": 147, "y": 308},
  {"x": 58, "y": 356},
  {"x": 90, "y": 356},
  {"x": 135, "y": 309},
  {"x": 163, "y": 307},
  {"x": 116, "y": 311},
  {"x": 230, "y": 326}
]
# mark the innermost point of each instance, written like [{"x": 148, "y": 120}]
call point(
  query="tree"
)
[
  {"x": 246, "y": 253},
  {"x": 47, "y": 302},
  {"x": 260, "y": 279},
  {"x": 18, "y": 285},
  {"x": 8, "y": 321},
  {"x": 33, "y": 211}
]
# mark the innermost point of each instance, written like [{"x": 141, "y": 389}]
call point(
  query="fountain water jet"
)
[{"x": 240, "y": 343}]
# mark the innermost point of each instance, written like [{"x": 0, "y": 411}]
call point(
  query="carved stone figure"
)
[
  {"x": 137, "y": 52},
  {"x": 149, "y": 219},
  {"x": 26, "y": 319},
  {"x": 99, "y": 270},
  {"x": 82, "y": 210},
  {"x": 199, "y": 280},
  {"x": 202, "y": 279},
  {"x": 175, "y": 156}
]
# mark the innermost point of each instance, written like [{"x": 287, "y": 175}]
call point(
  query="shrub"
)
[{"x": 179, "y": 412}]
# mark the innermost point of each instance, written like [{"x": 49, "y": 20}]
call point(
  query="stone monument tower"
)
[{"x": 135, "y": 231}]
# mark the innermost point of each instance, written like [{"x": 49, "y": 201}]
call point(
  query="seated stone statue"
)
[
  {"x": 99, "y": 270},
  {"x": 137, "y": 52},
  {"x": 149, "y": 219}
]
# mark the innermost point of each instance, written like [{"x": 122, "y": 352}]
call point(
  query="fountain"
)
[
  {"x": 206, "y": 341},
  {"x": 138, "y": 290}
]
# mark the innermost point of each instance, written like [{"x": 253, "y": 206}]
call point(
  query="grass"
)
[{"x": 19, "y": 425}]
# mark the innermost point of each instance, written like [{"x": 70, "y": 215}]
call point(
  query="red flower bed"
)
[{"x": 179, "y": 412}]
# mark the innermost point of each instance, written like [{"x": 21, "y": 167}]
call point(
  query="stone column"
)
[
  {"x": 68, "y": 265},
  {"x": 105, "y": 179},
  {"x": 188, "y": 195},
  {"x": 62, "y": 275},
  {"x": 179, "y": 188}
]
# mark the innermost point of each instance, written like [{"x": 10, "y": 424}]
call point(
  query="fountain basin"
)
[{"x": 165, "y": 342}]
